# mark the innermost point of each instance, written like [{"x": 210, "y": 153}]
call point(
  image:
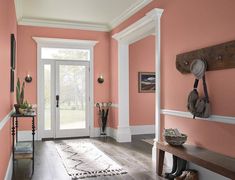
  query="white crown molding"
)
[
  {"x": 28, "y": 21},
  {"x": 5, "y": 119},
  {"x": 18, "y": 9},
  {"x": 63, "y": 24},
  {"x": 128, "y": 13},
  {"x": 213, "y": 118},
  {"x": 147, "y": 22},
  {"x": 64, "y": 42}
]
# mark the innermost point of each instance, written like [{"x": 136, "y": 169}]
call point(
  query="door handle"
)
[{"x": 57, "y": 97}]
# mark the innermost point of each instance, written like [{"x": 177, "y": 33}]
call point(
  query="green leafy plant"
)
[
  {"x": 25, "y": 105},
  {"x": 20, "y": 93}
]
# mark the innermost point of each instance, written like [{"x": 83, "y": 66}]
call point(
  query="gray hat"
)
[{"x": 198, "y": 68}]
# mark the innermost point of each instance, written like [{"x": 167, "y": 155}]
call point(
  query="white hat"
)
[{"x": 198, "y": 68}]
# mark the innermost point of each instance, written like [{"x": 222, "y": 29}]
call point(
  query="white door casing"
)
[
  {"x": 149, "y": 24},
  {"x": 63, "y": 43}
]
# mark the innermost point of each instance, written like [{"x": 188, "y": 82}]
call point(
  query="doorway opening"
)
[
  {"x": 145, "y": 26},
  {"x": 65, "y": 88},
  {"x": 142, "y": 90}
]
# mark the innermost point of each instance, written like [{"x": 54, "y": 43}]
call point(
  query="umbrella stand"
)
[{"x": 103, "y": 111}]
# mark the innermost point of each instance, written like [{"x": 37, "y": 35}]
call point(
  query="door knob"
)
[{"x": 57, "y": 100}]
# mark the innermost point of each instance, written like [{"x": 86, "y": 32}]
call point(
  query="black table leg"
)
[
  {"x": 33, "y": 133},
  {"x": 13, "y": 141},
  {"x": 16, "y": 125}
]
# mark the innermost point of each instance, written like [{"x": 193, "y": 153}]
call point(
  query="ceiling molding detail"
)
[
  {"x": 18, "y": 9},
  {"x": 127, "y": 34},
  {"x": 74, "y": 24},
  {"x": 128, "y": 13},
  {"x": 62, "y": 24},
  {"x": 67, "y": 42}
]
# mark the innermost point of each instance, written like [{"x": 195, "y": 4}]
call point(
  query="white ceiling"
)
[{"x": 100, "y": 15}]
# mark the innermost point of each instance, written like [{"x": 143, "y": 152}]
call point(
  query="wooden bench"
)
[{"x": 215, "y": 162}]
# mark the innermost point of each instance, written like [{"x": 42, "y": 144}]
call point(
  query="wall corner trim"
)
[{"x": 212, "y": 118}]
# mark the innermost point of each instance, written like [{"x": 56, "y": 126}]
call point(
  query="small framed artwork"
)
[
  {"x": 12, "y": 83},
  {"x": 146, "y": 82},
  {"x": 13, "y": 51}
]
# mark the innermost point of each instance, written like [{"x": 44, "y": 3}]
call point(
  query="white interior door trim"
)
[
  {"x": 149, "y": 24},
  {"x": 144, "y": 27},
  {"x": 64, "y": 43}
]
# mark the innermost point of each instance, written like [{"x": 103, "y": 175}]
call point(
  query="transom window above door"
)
[{"x": 65, "y": 54}]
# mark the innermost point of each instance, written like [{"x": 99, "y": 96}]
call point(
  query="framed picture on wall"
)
[
  {"x": 12, "y": 83},
  {"x": 13, "y": 51},
  {"x": 146, "y": 82}
]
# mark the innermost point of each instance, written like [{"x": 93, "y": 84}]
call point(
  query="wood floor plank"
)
[{"x": 134, "y": 157}]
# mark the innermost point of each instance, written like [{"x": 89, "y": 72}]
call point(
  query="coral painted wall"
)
[
  {"x": 28, "y": 60},
  {"x": 7, "y": 26},
  {"x": 141, "y": 59},
  {"x": 188, "y": 25}
]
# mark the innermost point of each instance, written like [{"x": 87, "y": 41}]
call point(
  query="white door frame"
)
[
  {"x": 150, "y": 23},
  {"x": 64, "y": 43}
]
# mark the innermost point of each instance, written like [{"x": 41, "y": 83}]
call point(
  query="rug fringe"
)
[{"x": 98, "y": 173}]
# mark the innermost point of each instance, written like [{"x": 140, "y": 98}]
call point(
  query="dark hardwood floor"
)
[{"x": 135, "y": 157}]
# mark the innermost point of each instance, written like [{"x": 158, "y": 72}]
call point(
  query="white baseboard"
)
[
  {"x": 124, "y": 134},
  {"x": 26, "y": 136},
  {"x": 96, "y": 132},
  {"x": 142, "y": 129},
  {"x": 9, "y": 171},
  {"x": 112, "y": 132}
]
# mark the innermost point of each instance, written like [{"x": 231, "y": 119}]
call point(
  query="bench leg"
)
[{"x": 160, "y": 161}]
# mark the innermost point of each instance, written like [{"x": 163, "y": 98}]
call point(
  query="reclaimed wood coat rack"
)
[{"x": 218, "y": 57}]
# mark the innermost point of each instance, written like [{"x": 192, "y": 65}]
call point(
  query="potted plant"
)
[
  {"x": 25, "y": 107},
  {"x": 19, "y": 95},
  {"x": 22, "y": 106}
]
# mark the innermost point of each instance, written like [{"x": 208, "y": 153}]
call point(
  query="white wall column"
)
[
  {"x": 157, "y": 20},
  {"x": 123, "y": 131}
]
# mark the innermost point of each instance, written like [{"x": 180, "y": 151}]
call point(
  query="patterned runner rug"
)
[{"x": 85, "y": 160}]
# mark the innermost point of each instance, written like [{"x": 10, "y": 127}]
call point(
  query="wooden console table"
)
[
  {"x": 215, "y": 162},
  {"x": 29, "y": 153}
]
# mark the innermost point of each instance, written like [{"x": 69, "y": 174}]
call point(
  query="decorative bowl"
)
[{"x": 175, "y": 140}]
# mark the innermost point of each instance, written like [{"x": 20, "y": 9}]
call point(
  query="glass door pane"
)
[
  {"x": 72, "y": 97},
  {"x": 47, "y": 97}
]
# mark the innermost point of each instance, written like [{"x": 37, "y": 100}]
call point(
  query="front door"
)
[
  {"x": 71, "y": 99},
  {"x": 66, "y": 97}
]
